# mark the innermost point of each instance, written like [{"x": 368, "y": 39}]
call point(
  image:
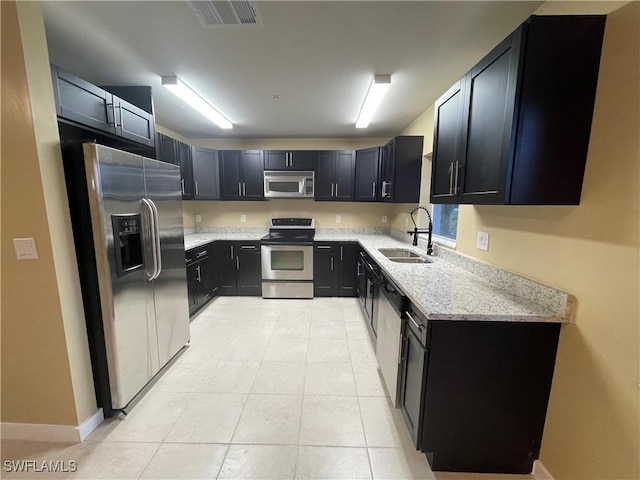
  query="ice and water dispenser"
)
[{"x": 127, "y": 237}]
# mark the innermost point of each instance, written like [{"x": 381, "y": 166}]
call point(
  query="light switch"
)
[
  {"x": 482, "y": 241},
  {"x": 243, "y": 218},
  {"x": 25, "y": 248},
  {"x": 338, "y": 218},
  {"x": 198, "y": 218}
]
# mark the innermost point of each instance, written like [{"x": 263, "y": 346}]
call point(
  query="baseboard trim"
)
[
  {"x": 540, "y": 472},
  {"x": 38, "y": 432}
]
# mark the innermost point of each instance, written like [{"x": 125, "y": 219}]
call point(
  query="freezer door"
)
[
  {"x": 170, "y": 286},
  {"x": 115, "y": 181}
]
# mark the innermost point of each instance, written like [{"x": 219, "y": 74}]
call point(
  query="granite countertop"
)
[{"x": 440, "y": 290}]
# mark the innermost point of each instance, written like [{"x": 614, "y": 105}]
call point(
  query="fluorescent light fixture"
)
[
  {"x": 376, "y": 92},
  {"x": 181, "y": 90}
]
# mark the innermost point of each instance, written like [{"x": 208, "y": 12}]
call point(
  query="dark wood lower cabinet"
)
[
  {"x": 240, "y": 267},
  {"x": 202, "y": 276},
  {"x": 474, "y": 394},
  {"x": 335, "y": 269}
]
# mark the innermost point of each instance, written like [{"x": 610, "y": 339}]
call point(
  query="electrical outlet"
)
[
  {"x": 338, "y": 218},
  {"x": 482, "y": 241},
  {"x": 384, "y": 219},
  {"x": 198, "y": 218},
  {"x": 406, "y": 221},
  {"x": 25, "y": 248},
  {"x": 243, "y": 218}
]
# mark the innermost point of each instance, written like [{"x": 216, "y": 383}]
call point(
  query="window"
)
[{"x": 445, "y": 223}]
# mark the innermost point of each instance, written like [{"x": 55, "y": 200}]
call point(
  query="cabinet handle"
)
[
  {"x": 451, "y": 179},
  {"x": 201, "y": 254},
  {"x": 400, "y": 349},
  {"x": 323, "y": 247},
  {"x": 384, "y": 189},
  {"x": 416, "y": 324},
  {"x": 199, "y": 278},
  {"x": 182, "y": 185},
  {"x": 358, "y": 274},
  {"x": 341, "y": 253},
  {"x": 332, "y": 264},
  {"x": 115, "y": 117},
  {"x": 232, "y": 255},
  {"x": 374, "y": 190},
  {"x": 247, "y": 247},
  {"x": 455, "y": 187},
  {"x": 237, "y": 263},
  {"x": 239, "y": 189},
  {"x": 196, "y": 187},
  {"x": 332, "y": 189},
  {"x": 336, "y": 189},
  {"x": 244, "y": 189},
  {"x": 405, "y": 342}
]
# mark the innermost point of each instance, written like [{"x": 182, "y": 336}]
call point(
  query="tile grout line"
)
[{"x": 150, "y": 460}]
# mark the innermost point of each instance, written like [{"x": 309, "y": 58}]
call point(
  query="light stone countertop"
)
[{"x": 440, "y": 290}]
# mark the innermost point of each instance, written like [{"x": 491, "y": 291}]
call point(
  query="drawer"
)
[
  {"x": 198, "y": 253},
  {"x": 417, "y": 323}
]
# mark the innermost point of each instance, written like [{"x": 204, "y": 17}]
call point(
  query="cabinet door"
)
[
  {"x": 488, "y": 114},
  {"x": 447, "y": 144},
  {"x": 361, "y": 282},
  {"x": 386, "y": 171},
  {"x": 225, "y": 258},
  {"x": 249, "y": 269},
  {"x": 231, "y": 184},
  {"x": 206, "y": 179},
  {"x": 412, "y": 384},
  {"x": 367, "y": 170},
  {"x": 344, "y": 173},
  {"x": 186, "y": 173},
  {"x": 168, "y": 149},
  {"x": 276, "y": 160},
  {"x": 83, "y": 102},
  {"x": 209, "y": 273},
  {"x": 303, "y": 160},
  {"x": 348, "y": 273},
  {"x": 324, "y": 271},
  {"x": 134, "y": 123},
  {"x": 253, "y": 177},
  {"x": 324, "y": 176},
  {"x": 192, "y": 286}
]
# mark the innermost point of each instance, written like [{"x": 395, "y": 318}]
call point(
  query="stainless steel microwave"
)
[{"x": 288, "y": 184}]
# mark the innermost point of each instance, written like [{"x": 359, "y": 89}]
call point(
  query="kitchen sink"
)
[
  {"x": 403, "y": 255},
  {"x": 398, "y": 253},
  {"x": 411, "y": 260}
]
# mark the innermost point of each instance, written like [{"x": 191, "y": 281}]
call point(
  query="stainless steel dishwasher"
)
[{"x": 391, "y": 307}]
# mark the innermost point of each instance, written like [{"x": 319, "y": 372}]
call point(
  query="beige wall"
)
[
  {"x": 36, "y": 378},
  {"x": 592, "y": 250}
]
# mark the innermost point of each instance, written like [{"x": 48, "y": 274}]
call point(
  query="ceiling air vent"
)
[{"x": 232, "y": 13}]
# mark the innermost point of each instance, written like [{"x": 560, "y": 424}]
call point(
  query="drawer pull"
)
[
  {"x": 323, "y": 247},
  {"x": 416, "y": 324},
  {"x": 247, "y": 247},
  {"x": 201, "y": 254}
]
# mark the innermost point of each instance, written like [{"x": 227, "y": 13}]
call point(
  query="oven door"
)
[{"x": 287, "y": 262}]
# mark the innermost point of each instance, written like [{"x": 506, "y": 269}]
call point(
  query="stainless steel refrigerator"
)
[{"x": 127, "y": 218}]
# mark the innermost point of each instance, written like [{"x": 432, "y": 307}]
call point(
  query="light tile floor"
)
[{"x": 268, "y": 389}]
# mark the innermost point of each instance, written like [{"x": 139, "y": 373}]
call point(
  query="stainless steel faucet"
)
[{"x": 417, "y": 230}]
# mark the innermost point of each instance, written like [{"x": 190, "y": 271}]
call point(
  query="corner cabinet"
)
[
  {"x": 242, "y": 175},
  {"x": 401, "y": 169},
  {"x": 515, "y": 129}
]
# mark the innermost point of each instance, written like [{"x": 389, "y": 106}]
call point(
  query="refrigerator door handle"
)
[
  {"x": 151, "y": 273},
  {"x": 156, "y": 239}
]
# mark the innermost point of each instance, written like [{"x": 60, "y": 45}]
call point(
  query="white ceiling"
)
[{"x": 319, "y": 57}]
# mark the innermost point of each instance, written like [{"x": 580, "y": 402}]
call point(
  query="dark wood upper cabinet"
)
[
  {"x": 401, "y": 169},
  {"x": 335, "y": 176},
  {"x": 367, "y": 173},
  {"x": 183, "y": 152},
  {"x": 515, "y": 130},
  {"x": 206, "y": 173},
  {"x": 166, "y": 149},
  {"x": 242, "y": 175},
  {"x": 290, "y": 159},
  {"x": 88, "y": 105}
]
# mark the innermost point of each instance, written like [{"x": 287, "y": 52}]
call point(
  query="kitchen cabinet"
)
[
  {"x": 335, "y": 176},
  {"x": 206, "y": 173},
  {"x": 290, "y": 159},
  {"x": 367, "y": 173},
  {"x": 401, "y": 170},
  {"x": 491, "y": 418},
  {"x": 172, "y": 151},
  {"x": 240, "y": 267},
  {"x": 242, "y": 175},
  {"x": 515, "y": 129},
  {"x": 202, "y": 276},
  {"x": 335, "y": 269},
  {"x": 88, "y": 105}
]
